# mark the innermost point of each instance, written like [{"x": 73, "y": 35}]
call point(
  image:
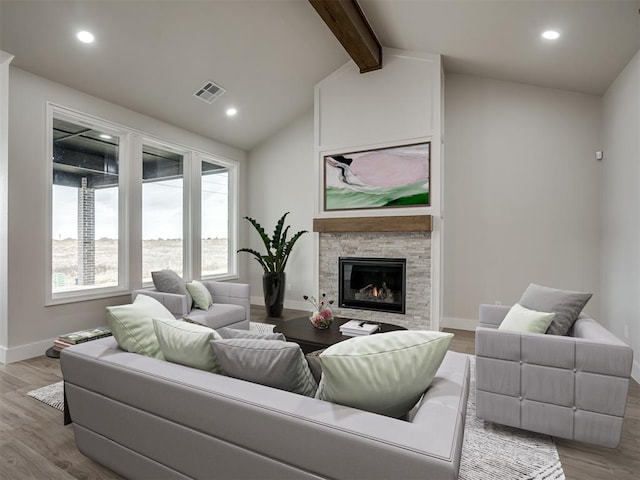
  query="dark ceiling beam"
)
[{"x": 347, "y": 22}]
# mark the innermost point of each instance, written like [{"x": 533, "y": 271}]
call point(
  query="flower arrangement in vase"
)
[{"x": 322, "y": 316}]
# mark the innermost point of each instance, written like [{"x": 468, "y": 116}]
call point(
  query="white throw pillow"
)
[
  {"x": 202, "y": 298},
  {"x": 384, "y": 373},
  {"x": 187, "y": 343},
  {"x": 132, "y": 325},
  {"x": 520, "y": 319}
]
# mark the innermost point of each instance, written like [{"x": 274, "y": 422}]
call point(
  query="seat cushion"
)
[{"x": 218, "y": 315}]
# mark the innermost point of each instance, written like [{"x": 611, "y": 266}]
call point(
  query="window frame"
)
[
  {"x": 130, "y": 207},
  {"x": 55, "y": 298}
]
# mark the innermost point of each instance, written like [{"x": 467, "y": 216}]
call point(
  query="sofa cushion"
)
[
  {"x": 132, "y": 325},
  {"x": 520, "y": 319},
  {"x": 218, "y": 315},
  {"x": 169, "y": 281},
  {"x": 187, "y": 343},
  {"x": 226, "y": 332},
  {"x": 384, "y": 373},
  {"x": 567, "y": 305},
  {"x": 201, "y": 296},
  {"x": 273, "y": 363}
]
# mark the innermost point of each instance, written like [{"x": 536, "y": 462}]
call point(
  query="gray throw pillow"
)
[
  {"x": 313, "y": 359},
  {"x": 567, "y": 305},
  {"x": 226, "y": 332},
  {"x": 273, "y": 363},
  {"x": 168, "y": 281}
]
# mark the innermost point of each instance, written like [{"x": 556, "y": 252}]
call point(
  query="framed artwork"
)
[{"x": 383, "y": 178}]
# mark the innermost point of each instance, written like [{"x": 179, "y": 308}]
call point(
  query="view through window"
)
[
  {"x": 215, "y": 219},
  {"x": 162, "y": 211},
  {"x": 84, "y": 246}
]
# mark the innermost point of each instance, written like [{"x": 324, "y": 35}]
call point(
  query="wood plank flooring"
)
[{"x": 35, "y": 445}]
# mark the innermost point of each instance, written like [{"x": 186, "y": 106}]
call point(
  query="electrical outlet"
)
[
  {"x": 498, "y": 302},
  {"x": 288, "y": 287},
  {"x": 626, "y": 331}
]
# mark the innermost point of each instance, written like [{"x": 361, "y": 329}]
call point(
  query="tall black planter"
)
[{"x": 273, "y": 285}]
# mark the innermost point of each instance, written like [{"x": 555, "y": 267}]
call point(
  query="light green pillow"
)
[
  {"x": 202, "y": 298},
  {"x": 384, "y": 373},
  {"x": 520, "y": 319},
  {"x": 132, "y": 325},
  {"x": 187, "y": 343}
]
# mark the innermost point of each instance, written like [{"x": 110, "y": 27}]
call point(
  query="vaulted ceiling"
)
[{"x": 151, "y": 56}]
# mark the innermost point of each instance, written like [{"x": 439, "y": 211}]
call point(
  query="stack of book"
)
[
  {"x": 64, "y": 341},
  {"x": 355, "y": 328}
]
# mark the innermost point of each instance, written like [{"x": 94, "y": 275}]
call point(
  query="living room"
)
[{"x": 520, "y": 195}]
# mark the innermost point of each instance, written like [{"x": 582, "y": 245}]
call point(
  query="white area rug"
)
[
  {"x": 489, "y": 452},
  {"x": 492, "y": 451}
]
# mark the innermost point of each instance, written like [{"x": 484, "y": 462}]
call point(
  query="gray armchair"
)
[
  {"x": 571, "y": 386},
  {"x": 231, "y": 305}
]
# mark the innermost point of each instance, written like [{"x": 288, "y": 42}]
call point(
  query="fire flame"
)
[{"x": 374, "y": 292}]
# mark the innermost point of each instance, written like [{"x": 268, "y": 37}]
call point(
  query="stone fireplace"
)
[{"x": 412, "y": 246}]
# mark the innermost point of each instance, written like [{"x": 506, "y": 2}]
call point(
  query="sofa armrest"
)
[
  {"x": 491, "y": 316},
  {"x": 233, "y": 293},
  {"x": 175, "y": 303}
]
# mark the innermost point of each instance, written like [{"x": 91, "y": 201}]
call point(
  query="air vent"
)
[{"x": 209, "y": 92}]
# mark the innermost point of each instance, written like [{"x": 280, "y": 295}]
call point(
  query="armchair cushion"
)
[
  {"x": 520, "y": 319},
  {"x": 169, "y": 281},
  {"x": 567, "y": 305},
  {"x": 202, "y": 298}
]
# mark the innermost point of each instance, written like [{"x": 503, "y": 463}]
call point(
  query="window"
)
[
  {"x": 162, "y": 210},
  {"x": 84, "y": 216},
  {"x": 215, "y": 219},
  {"x": 123, "y": 204}
]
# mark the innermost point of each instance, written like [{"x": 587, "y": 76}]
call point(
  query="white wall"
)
[
  {"x": 620, "y": 309},
  {"x": 522, "y": 193},
  {"x": 31, "y": 325},
  {"x": 280, "y": 179}
]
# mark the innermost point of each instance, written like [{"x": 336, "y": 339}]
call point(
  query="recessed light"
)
[
  {"x": 231, "y": 112},
  {"x": 105, "y": 136},
  {"x": 85, "y": 37},
  {"x": 550, "y": 35}
]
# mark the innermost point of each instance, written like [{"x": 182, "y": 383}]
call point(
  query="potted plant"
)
[{"x": 273, "y": 262}]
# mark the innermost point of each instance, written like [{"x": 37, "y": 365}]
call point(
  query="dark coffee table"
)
[{"x": 300, "y": 331}]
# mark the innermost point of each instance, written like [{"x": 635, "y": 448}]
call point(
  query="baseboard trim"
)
[
  {"x": 459, "y": 323},
  {"x": 292, "y": 304},
  {"x": 24, "y": 352},
  {"x": 635, "y": 371}
]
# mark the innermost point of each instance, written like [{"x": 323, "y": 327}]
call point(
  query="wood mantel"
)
[{"x": 412, "y": 223}]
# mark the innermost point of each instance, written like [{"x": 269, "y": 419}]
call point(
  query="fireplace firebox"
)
[{"x": 372, "y": 283}]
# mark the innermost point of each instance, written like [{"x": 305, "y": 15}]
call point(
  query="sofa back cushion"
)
[
  {"x": 132, "y": 325},
  {"x": 273, "y": 363},
  {"x": 384, "y": 373}
]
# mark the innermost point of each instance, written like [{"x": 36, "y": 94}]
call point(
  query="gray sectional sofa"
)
[
  {"x": 571, "y": 386},
  {"x": 150, "y": 419},
  {"x": 231, "y": 304}
]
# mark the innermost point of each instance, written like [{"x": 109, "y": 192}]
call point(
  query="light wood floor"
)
[{"x": 35, "y": 445}]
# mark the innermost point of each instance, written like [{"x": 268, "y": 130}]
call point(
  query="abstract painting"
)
[{"x": 382, "y": 178}]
